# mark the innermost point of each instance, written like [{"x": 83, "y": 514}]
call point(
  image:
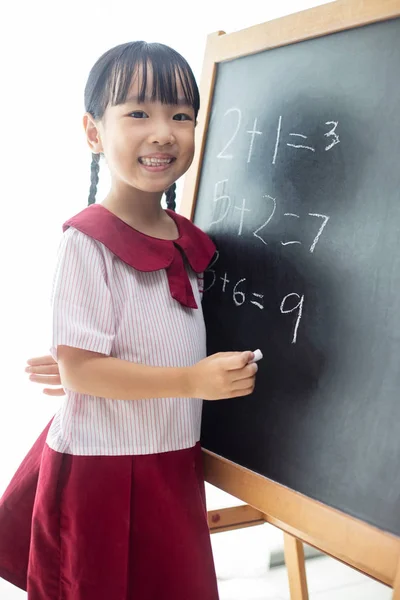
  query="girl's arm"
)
[
  {"x": 208, "y": 379},
  {"x": 225, "y": 375},
  {"x": 98, "y": 375}
]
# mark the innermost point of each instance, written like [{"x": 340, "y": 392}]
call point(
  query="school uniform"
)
[{"x": 110, "y": 503}]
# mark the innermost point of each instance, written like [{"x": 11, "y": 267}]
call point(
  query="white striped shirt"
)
[{"x": 103, "y": 305}]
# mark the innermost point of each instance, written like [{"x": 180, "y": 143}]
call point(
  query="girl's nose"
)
[{"x": 162, "y": 135}]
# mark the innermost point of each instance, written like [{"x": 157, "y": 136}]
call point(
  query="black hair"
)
[
  {"x": 94, "y": 178},
  {"x": 111, "y": 77}
]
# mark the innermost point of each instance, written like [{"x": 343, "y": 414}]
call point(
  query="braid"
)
[
  {"x": 94, "y": 178},
  {"x": 171, "y": 195}
]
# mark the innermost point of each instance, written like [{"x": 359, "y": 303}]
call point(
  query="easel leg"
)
[{"x": 296, "y": 567}]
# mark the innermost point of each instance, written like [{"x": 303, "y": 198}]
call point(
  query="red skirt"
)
[{"x": 107, "y": 527}]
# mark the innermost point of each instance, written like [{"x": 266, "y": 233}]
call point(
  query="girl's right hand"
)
[
  {"x": 44, "y": 370},
  {"x": 224, "y": 375}
]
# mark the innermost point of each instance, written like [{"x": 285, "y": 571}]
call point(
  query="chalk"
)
[{"x": 257, "y": 356}]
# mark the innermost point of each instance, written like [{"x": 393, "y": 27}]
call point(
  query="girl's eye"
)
[
  {"x": 139, "y": 114},
  {"x": 182, "y": 117}
]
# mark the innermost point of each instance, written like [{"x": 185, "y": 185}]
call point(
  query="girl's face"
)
[{"x": 148, "y": 145}]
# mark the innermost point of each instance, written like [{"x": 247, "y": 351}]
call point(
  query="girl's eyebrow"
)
[{"x": 148, "y": 100}]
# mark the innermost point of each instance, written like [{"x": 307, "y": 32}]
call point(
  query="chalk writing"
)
[
  {"x": 240, "y": 294},
  {"x": 237, "y": 131},
  {"x": 253, "y": 132},
  {"x": 242, "y": 209},
  {"x": 325, "y": 220},
  {"x": 332, "y": 133},
  {"x": 218, "y": 197},
  {"x": 257, "y": 231},
  {"x": 302, "y": 146},
  {"x": 238, "y": 113},
  {"x": 262, "y": 228},
  {"x": 298, "y": 307}
]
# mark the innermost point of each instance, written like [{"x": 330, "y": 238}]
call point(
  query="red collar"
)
[{"x": 145, "y": 253}]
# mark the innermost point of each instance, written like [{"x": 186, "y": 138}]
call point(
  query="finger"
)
[
  {"x": 41, "y": 360},
  {"x": 244, "y": 384},
  {"x": 248, "y": 391},
  {"x": 248, "y": 371},
  {"x": 43, "y": 370},
  {"x": 225, "y": 354},
  {"x": 239, "y": 360},
  {"x": 241, "y": 393},
  {"x": 55, "y": 392},
  {"x": 46, "y": 379}
]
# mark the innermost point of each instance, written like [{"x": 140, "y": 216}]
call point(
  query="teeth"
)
[{"x": 155, "y": 162}]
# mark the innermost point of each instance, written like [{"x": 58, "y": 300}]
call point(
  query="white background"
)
[{"x": 47, "y": 50}]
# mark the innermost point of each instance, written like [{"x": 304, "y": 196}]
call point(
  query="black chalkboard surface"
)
[{"x": 300, "y": 190}]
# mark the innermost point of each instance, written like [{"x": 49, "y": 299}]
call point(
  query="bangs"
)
[{"x": 171, "y": 76}]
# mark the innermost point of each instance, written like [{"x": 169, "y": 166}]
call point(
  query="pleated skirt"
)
[{"x": 107, "y": 527}]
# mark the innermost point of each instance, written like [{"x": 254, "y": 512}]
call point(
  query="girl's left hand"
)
[{"x": 44, "y": 370}]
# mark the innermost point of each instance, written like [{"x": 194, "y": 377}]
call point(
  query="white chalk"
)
[{"x": 258, "y": 355}]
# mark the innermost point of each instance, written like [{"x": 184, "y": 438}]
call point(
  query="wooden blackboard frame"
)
[{"x": 355, "y": 543}]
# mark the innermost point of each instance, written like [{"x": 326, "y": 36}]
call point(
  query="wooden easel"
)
[
  {"x": 239, "y": 517},
  {"x": 353, "y": 542}
]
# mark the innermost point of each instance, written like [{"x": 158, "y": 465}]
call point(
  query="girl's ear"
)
[{"x": 92, "y": 134}]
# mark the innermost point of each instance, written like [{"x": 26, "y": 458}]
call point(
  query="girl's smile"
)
[{"x": 157, "y": 162}]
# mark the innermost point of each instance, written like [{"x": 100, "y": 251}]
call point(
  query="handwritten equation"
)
[
  {"x": 240, "y": 295},
  {"x": 297, "y": 141},
  {"x": 260, "y": 232}
]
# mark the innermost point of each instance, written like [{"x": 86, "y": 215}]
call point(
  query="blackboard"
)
[{"x": 300, "y": 190}]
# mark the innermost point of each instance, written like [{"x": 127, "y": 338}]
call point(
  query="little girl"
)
[{"x": 109, "y": 504}]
